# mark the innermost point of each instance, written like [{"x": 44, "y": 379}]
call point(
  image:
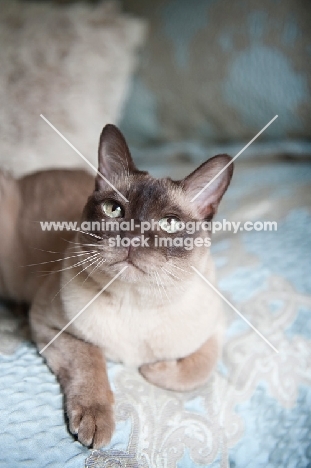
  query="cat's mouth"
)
[{"x": 128, "y": 262}]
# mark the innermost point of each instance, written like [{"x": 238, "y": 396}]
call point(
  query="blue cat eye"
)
[{"x": 112, "y": 209}]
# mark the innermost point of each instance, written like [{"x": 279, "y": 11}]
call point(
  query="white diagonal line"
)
[
  {"x": 233, "y": 159},
  {"x": 235, "y": 310},
  {"x": 83, "y": 157},
  {"x": 82, "y": 310}
]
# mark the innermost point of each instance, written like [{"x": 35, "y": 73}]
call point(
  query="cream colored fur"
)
[
  {"x": 133, "y": 327},
  {"x": 174, "y": 336}
]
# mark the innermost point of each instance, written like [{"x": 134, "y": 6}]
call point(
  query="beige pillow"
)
[{"x": 70, "y": 63}]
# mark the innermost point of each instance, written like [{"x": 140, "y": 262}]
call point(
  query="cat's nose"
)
[{"x": 131, "y": 234}]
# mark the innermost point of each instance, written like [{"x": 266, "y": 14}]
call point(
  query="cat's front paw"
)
[
  {"x": 164, "y": 374},
  {"x": 93, "y": 424}
]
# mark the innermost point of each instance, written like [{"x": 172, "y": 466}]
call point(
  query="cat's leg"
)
[
  {"x": 187, "y": 373},
  {"x": 81, "y": 370}
]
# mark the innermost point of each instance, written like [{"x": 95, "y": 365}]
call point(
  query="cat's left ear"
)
[
  {"x": 114, "y": 157},
  {"x": 216, "y": 172}
]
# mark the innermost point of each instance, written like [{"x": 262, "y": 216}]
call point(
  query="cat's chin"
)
[{"x": 133, "y": 273}]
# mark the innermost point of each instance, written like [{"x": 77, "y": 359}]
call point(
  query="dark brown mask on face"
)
[{"x": 117, "y": 218}]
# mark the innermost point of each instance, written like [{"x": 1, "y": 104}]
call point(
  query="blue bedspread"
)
[{"x": 255, "y": 411}]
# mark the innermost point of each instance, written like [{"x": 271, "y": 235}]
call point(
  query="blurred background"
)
[
  {"x": 184, "y": 80},
  {"x": 213, "y": 73}
]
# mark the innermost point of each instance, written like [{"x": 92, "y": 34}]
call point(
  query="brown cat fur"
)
[{"x": 174, "y": 335}]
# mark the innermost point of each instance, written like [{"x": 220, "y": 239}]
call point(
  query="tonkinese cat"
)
[{"x": 157, "y": 315}]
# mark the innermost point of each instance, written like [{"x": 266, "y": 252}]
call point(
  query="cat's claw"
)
[{"x": 94, "y": 424}]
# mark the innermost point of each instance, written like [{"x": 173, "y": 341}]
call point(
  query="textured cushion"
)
[
  {"x": 218, "y": 71},
  {"x": 70, "y": 63}
]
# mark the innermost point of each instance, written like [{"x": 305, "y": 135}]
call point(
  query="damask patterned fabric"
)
[
  {"x": 218, "y": 71},
  {"x": 255, "y": 411}
]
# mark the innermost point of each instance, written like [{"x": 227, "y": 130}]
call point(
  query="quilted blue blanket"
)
[{"x": 255, "y": 411}]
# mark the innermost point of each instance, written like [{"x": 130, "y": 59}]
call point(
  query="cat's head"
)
[{"x": 116, "y": 215}]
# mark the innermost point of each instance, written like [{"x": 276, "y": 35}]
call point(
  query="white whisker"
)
[
  {"x": 60, "y": 259},
  {"x": 175, "y": 266},
  {"x": 79, "y": 272},
  {"x": 47, "y": 251},
  {"x": 88, "y": 266},
  {"x": 175, "y": 284},
  {"x": 84, "y": 245},
  {"x": 99, "y": 263},
  {"x": 163, "y": 287},
  {"x": 71, "y": 266},
  {"x": 86, "y": 232},
  {"x": 170, "y": 273},
  {"x": 159, "y": 289},
  {"x": 152, "y": 282}
]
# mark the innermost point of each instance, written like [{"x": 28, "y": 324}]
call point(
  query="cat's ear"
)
[
  {"x": 216, "y": 172},
  {"x": 114, "y": 157}
]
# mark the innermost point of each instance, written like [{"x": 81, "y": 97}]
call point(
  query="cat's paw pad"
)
[
  {"x": 93, "y": 424},
  {"x": 161, "y": 373}
]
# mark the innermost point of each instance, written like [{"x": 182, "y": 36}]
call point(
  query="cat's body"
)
[
  {"x": 157, "y": 315},
  {"x": 149, "y": 329},
  {"x": 41, "y": 196}
]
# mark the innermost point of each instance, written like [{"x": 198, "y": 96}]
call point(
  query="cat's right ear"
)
[{"x": 114, "y": 157}]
